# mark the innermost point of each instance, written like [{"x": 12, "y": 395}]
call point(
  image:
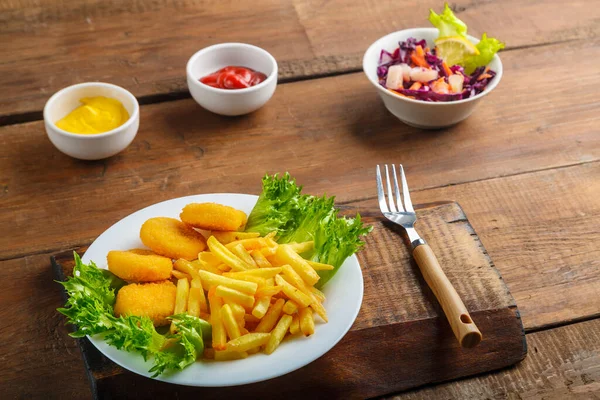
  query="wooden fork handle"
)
[{"x": 464, "y": 328}]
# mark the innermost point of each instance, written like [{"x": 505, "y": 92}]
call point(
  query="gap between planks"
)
[{"x": 32, "y": 116}]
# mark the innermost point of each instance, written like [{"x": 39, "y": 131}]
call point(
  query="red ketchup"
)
[{"x": 234, "y": 78}]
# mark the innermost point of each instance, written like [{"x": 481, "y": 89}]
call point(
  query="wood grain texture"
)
[
  {"x": 399, "y": 316},
  {"x": 39, "y": 359},
  {"x": 330, "y": 144},
  {"x": 563, "y": 363},
  {"x": 144, "y": 45}
]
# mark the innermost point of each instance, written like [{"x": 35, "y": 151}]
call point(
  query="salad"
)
[{"x": 454, "y": 69}]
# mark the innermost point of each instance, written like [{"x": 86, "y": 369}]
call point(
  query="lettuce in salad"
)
[
  {"x": 297, "y": 217},
  {"x": 449, "y": 25}
]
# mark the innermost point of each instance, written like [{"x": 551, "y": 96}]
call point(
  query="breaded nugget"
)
[
  {"x": 213, "y": 217},
  {"x": 153, "y": 300},
  {"x": 139, "y": 265},
  {"x": 172, "y": 238}
]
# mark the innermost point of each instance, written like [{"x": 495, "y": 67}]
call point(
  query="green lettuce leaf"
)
[
  {"x": 297, "y": 217},
  {"x": 447, "y": 23},
  {"x": 91, "y": 297},
  {"x": 487, "y": 47}
]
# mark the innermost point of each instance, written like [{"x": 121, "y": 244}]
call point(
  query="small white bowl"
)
[
  {"x": 417, "y": 113},
  {"x": 96, "y": 146},
  {"x": 231, "y": 102}
]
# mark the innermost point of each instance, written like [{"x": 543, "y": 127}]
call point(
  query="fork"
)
[{"x": 462, "y": 325}]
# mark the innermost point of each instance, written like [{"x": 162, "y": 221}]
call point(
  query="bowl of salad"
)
[{"x": 433, "y": 78}]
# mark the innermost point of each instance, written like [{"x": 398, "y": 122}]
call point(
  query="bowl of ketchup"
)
[{"x": 232, "y": 78}]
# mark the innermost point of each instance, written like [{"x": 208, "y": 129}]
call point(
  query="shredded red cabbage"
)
[{"x": 473, "y": 84}]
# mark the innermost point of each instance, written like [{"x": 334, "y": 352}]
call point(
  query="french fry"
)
[
  {"x": 193, "y": 306},
  {"x": 292, "y": 293},
  {"x": 295, "y": 325},
  {"x": 269, "y": 251},
  {"x": 238, "y": 310},
  {"x": 251, "y": 319},
  {"x": 219, "y": 338},
  {"x": 250, "y": 244},
  {"x": 258, "y": 272},
  {"x": 201, "y": 265},
  {"x": 271, "y": 281},
  {"x": 186, "y": 267},
  {"x": 290, "y": 307},
  {"x": 235, "y": 295},
  {"x": 181, "y": 299},
  {"x": 248, "y": 278},
  {"x": 229, "y": 321},
  {"x": 228, "y": 237},
  {"x": 278, "y": 333},
  {"x": 317, "y": 266},
  {"x": 271, "y": 242},
  {"x": 249, "y": 341},
  {"x": 197, "y": 283},
  {"x": 225, "y": 255},
  {"x": 228, "y": 355},
  {"x": 268, "y": 291},
  {"x": 180, "y": 275},
  {"x": 261, "y": 306},
  {"x": 209, "y": 280},
  {"x": 307, "y": 323},
  {"x": 295, "y": 279},
  {"x": 223, "y": 268},
  {"x": 318, "y": 294},
  {"x": 205, "y": 316},
  {"x": 260, "y": 259},
  {"x": 302, "y": 247},
  {"x": 285, "y": 255},
  {"x": 267, "y": 322},
  {"x": 244, "y": 331},
  {"x": 243, "y": 255},
  {"x": 271, "y": 235},
  {"x": 208, "y": 258},
  {"x": 253, "y": 350}
]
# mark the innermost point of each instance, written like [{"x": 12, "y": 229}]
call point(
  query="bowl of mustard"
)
[{"x": 92, "y": 121}]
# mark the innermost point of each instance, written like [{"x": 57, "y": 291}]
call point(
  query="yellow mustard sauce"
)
[{"x": 96, "y": 115}]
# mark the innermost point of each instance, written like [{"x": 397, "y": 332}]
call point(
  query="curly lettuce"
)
[
  {"x": 487, "y": 47},
  {"x": 297, "y": 217},
  {"x": 91, "y": 296},
  {"x": 447, "y": 23}
]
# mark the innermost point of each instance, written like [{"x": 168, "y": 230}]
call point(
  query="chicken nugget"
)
[
  {"x": 213, "y": 217},
  {"x": 154, "y": 300},
  {"x": 172, "y": 238},
  {"x": 139, "y": 265}
]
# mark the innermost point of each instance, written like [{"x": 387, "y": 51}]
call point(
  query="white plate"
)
[{"x": 344, "y": 297}]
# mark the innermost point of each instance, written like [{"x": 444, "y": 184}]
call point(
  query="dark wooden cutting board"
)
[{"x": 400, "y": 339}]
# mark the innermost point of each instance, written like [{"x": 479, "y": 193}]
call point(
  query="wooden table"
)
[{"x": 525, "y": 166}]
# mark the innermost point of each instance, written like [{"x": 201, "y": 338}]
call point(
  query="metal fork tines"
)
[{"x": 397, "y": 212}]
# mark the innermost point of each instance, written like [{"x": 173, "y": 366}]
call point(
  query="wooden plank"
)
[
  {"x": 399, "y": 316},
  {"x": 563, "y": 363},
  {"x": 330, "y": 144},
  {"x": 39, "y": 358},
  {"x": 143, "y": 45}
]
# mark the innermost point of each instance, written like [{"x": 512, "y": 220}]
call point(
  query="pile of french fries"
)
[{"x": 253, "y": 291}]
